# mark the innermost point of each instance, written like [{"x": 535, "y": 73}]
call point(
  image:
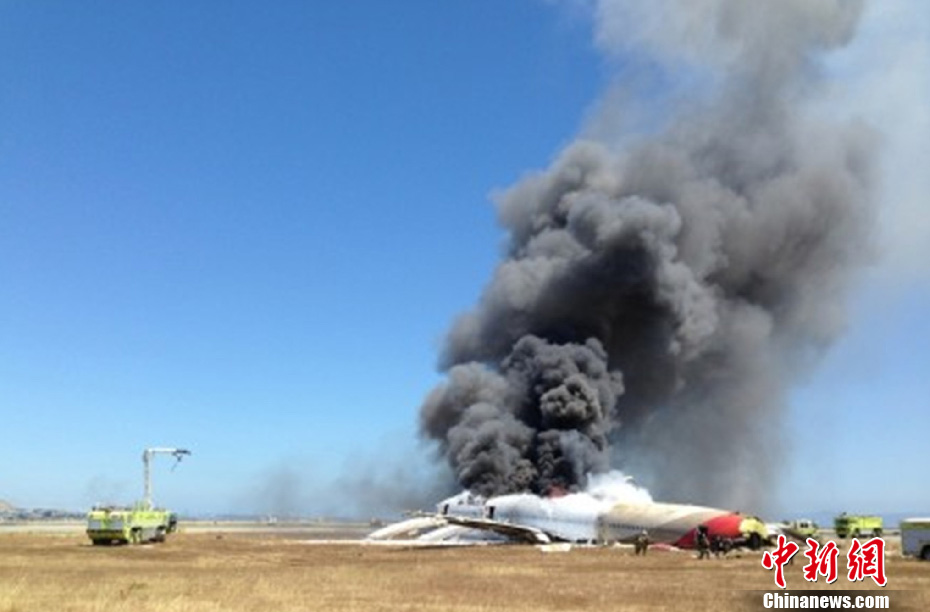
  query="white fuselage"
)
[
  {"x": 572, "y": 517},
  {"x": 580, "y": 517}
]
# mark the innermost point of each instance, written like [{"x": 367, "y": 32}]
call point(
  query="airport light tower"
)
[{"x": 177, "y": 453}]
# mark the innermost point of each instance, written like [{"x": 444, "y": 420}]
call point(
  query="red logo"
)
[
  {"x": 863, "y": 560},
  {"x": 822, "y": 561},
  {"x": 867, "y": 560},
  {"x": 779, "y": 559}
]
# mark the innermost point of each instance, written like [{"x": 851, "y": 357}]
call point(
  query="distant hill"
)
[{"x": 6, "y": 506}]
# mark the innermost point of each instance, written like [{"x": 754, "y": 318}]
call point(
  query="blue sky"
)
[{"x": 243, "y": 228}]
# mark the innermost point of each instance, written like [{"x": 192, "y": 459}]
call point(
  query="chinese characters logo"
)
[{"x": 862, "y": 561}]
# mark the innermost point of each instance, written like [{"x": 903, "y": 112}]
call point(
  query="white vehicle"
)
[{"x": 915, "y": 538}]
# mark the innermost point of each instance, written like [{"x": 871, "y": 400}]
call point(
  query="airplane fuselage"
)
[{"x": 581, "y": 518}]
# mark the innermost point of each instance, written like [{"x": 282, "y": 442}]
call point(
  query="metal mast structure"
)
[{"x": 177, "y": 453}]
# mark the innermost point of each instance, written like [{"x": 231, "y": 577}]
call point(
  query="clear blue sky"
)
[{"x": 244, "y": 227}]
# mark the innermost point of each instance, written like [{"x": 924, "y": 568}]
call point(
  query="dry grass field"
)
[{"x": 248, "y": 573}]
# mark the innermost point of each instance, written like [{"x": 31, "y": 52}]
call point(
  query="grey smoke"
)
[
  {"x": 656, "y": 300},
  {"x": 541, "y": 417},
  {"x": 102, "y": 490},
  {"x": 280, "y": 490},
  {"x": 379, "y": 481}
]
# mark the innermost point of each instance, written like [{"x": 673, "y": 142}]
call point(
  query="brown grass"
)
[{"x": 240, "y": 573}]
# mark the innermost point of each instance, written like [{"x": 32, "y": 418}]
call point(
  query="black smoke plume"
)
[{"x": 656, "y": 299}]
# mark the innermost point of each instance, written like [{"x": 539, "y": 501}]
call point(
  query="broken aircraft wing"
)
[{"x": 525, "y": 533}]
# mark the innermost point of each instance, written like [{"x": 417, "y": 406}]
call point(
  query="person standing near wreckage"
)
[
  {"x": 641, "y": 543},
  {"x": 702, "y": 542}
]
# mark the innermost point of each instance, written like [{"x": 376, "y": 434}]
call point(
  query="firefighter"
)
[
  {"x": 702, "y": 542},
  {"x": 726, "y": 545},
  {"x": 641, "y": 543}
]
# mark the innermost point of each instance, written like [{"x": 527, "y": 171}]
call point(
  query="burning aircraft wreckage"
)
[
  {"x": 659, "y": 294},
  {"x": 609, "y": 512}
]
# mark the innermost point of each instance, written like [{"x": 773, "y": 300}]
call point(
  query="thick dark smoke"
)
[
  {"x": 541, "y": 416},
  {"x": 655, "y": 301}
]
